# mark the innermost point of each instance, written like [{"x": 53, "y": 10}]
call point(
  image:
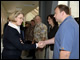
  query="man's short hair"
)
[
  {"x": 32, "y": 21},
  {"x": 63, "y": 8},
  {"x": 38, "y": 16}
]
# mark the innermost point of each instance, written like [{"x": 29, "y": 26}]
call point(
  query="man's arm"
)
[
  {"x": 42, "y": 44},
  {"x": 50, "y": 41},
  {"x": 64, "y": 54}
]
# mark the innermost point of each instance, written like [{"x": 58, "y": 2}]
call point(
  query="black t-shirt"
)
[{"x": 51, "y": 34}]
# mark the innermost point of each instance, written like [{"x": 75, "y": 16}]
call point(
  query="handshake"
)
[{"x": 41, "y": 44}]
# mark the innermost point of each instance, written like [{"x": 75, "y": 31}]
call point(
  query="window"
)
[
  {"x": 74, "y": 5},
  {"x": 63, "y": 2}
]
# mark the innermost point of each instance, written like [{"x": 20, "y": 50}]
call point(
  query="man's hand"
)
[{"x": 41, "y": 44}]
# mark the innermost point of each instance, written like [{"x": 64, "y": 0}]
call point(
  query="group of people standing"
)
[
  {"x": 62, "y": 40},
  {"x": 37, "y": 31}
]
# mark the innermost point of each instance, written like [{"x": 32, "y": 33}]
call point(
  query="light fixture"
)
[
  {"x": 30, "y": 5},
  {"x": 19, "y": 9}
]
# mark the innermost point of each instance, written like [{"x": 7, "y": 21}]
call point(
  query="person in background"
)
[
  {"x": 40, "y": 33},
  {"x": 27, "y": 25},
  {"x": 30, "y": 36},
  {"x": 53, "y": 27},
  {"x": 6, "y": 25},
  {"x": 22, "y": 29},
  {"x": 12, "y": 41},
  {"x": 66, "y": 40}
]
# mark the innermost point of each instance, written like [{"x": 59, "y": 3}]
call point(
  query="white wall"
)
[{"x": 3, "y": 18}]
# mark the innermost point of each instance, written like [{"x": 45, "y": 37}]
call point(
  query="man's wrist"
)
[{"x": 45, "y": 42}]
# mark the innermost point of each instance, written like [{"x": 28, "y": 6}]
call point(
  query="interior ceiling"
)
[{"x": 24, "y": 6}]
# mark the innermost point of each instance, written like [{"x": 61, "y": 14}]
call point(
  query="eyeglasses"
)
[{"x": 21, "y": 18}]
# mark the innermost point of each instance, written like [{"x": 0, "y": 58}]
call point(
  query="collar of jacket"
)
[{"x": 14, "y": 26}]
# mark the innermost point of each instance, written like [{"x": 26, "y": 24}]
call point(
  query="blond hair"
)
[{"x": 13, "y": 15}]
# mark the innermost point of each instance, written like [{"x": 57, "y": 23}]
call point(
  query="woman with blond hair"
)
[{"x": 12, "y": 41}]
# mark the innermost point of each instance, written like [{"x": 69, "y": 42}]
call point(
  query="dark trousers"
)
[
  {"x": 10, "y": 57},
  {"x": 32, "y": 51}
]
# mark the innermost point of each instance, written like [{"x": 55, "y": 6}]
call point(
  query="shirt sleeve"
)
[{"x": 66, "y": 38}]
